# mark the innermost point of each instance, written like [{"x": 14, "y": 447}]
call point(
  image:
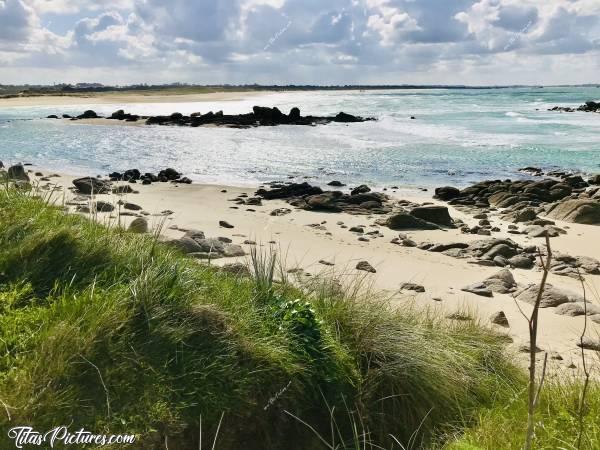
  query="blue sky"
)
[{"x": 300, "y": 41}]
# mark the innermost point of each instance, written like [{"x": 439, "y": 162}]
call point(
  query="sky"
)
[{"x": 476, "y": 42}]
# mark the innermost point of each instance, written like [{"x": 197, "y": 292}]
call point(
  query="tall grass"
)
[{"x": 116, "y": 333}]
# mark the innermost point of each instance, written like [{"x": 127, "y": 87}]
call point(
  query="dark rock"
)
[
  {"x": 289, "y": 191},
  {"x": 434, "y": 214},
  {"x": 91, "y": 186},
  {"x": 365, "y": 266},
  {"x": 17, "y": 172},
  {"x": 499, "y": 318},
  {"x": 412, "y": 287},
  {"x": 225, "y": 224},
  {"x": 336, "y": 183},
  {"x": 138, "y": 225},
  {"x": 362, "y": 189},
  {"x": 446, "y": 193},
  {"x": 405, "y": 221},
  {"x": 102, "y": 206}
]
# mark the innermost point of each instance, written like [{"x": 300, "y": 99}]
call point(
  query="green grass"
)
[
  {"x": 557, "y": 424},
  {"x": 105, "y": 330}
]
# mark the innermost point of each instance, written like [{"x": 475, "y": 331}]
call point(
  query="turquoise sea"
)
[{"x": 459, "y": 136}]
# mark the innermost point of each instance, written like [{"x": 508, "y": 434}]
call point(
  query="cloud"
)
[{"x": 298, "y": 41}]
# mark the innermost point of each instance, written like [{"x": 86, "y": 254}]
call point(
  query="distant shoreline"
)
[{"x": 108, "y": 98}]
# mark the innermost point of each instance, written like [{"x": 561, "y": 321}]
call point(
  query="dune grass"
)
[
  {"x": 557, "y": 421},
  {"x": 106, "y": 330}
]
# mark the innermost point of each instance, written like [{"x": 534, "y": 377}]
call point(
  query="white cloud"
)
[{"x": 298, "y": 41}]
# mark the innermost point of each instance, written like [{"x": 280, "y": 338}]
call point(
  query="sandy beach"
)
[
  {"x": 126, "y": 97},
  {"x": 321, "y": 243}
]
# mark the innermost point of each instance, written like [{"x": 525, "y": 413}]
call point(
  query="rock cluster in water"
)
[
  {"x": 260, "y": 116},
  {"x": 587, "y": 107}
]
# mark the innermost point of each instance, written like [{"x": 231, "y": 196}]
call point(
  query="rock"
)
[
  {"x": 17, "y": 172},
  {"x": 132, "y": 207},
  {"x": 521, "y": 262},
  {"x": 102, "y": 206},
  {"x": 501, "y": 282},
  {"x": 412, "y": 287},
  {"x": 525, "y": 215},
  {"x": 444, "y": 247},
  {"x": 595, "y": 180},
  {"x": 577, "y": 309},
  {"x": 238, "y": 269},
  {"x": 89, "y": 114},
  {"x": 434, "y": 214},
  {"x": 446, "y": 193},
  {"x": 225, "y": 224},
  {"x": 138, "y": 225},
  {"x": 577, "y": 211},
  {"x": 362, "y": 189},
  {"x": 503, "y": 250},
  {"x": 525, "y": 348},
  {"x": 233, "y": 250},
  {"x": 288, "y": 191},
  {"x": 124, "y": 189},
  {"x": 499, "y": 318},
  {"x": 478, "y": 289},
  {"x": 91, "y": 186},
  {"x": 459, "y": 316},
  {"x": 360, "y": 230},
  {"x": 280, "y": 212},
  {"x": 365, "y": 266},
  {"x": 336, "y": 183},
  {"x": 550, "y": 298},
  {"x": 196, "y": 235},
  {"x": 556, "y": 356},
  {"x": 589, "y": 344},
  {"x": 405, "y": 221},
  {"x": 324, "y": 202},
  {"x": 187, "y": 245}
]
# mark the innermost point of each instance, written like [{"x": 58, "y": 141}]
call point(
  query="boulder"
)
[
  {"x": 233, "y": 250},
  {"x": 17, "y": 172},
  {"x": 551, "y": 297},
  {"x": 138, "y": 225},
  {"x": 362, "y": 189},
  {"x": 501, "y": 282},
  {"x": 405, "y": 221},
  {"x": 446, "y": 193},
  {"x": 434, "y": 214},
  {"x": 589, "y": 344},
  {"x": 102, "y": 206},
  {"x": 91, "y": 186},
  {"x": 577, "y": 211}
]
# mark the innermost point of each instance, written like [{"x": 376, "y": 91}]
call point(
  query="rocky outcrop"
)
[
  {"x": 577, "y": 211},
  {"x": 587, "y": 107},
  {"x": 550, "y": 298},
  {"x": 260, "y": 116},
  {"x": 313, "y": 198}
]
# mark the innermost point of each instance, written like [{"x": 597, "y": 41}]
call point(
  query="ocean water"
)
[{"x": 458, "y": 137}]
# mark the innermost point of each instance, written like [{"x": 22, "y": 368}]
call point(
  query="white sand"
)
[
  {"x": 202, "y": 206},
  {"x": 120, "y": 98}
]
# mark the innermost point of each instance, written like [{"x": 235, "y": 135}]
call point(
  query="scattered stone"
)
[
  {"x": 412, "y": 287},
  {"x": 499, "y": 318},
  {"x": 326, "y": 263},
  {"x": 132, "y": 207},
  {"x": 102, "y": 206},
  {"x": 365, "y": 266},
  {"x": 225, "y": 224}
]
